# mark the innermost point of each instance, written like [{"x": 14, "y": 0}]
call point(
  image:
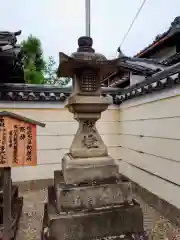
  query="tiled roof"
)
[
  {"x": 119, "y": 81},
  {"x": 175, "y": 58},
  {"x": 141, "y": 66},
  {"x": 173, "y": 29},
  {"x": 33, "y": 92},
  {"x": 168, "y": 78},
  {"x": 165, "y": 79},
  {"x": 42, "y": 93}
]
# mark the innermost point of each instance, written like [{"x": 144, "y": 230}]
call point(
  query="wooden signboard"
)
[
  {"x": 17, "y": 140},
  {"x": 17, "y": 148}
]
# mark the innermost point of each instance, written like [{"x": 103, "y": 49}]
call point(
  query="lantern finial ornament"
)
[{"x": 85, "y": 44}]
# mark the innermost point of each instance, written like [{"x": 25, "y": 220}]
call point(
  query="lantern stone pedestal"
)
[{"x": 89, "y": 198}]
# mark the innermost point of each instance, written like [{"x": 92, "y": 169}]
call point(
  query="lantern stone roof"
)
[
  {"x": 20, "y": 118},
  {"x": 84, "y": 57}
]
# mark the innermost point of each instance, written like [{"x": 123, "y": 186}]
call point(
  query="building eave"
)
[
  {"x": 162, "y": 39},
  {"x": 152, "y": 47},
  {"x": 168, "y": 78}
]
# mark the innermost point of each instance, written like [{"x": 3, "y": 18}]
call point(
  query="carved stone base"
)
[
  {"x": 81, "y": 170},
  {"x": 99, "y": 223},
  {"x": 17, "y": 204},
  {"x": 91, "y": 210},
  {"x": 89, "y": 196}
]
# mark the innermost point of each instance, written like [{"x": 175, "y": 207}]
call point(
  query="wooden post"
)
[{"x": 7, "y": 203}]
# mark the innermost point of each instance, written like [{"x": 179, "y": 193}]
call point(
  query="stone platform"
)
[
  {"x": 35, "y": 195},
  {"x": 88, "y": 196},
  {"x": 91, "y": 210}
]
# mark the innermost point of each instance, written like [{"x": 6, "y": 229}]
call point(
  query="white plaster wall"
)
[
  {"x": 143, "y": 135},
  {"x": 149, "y": 143},
  {"x": 54, "y": 140}
]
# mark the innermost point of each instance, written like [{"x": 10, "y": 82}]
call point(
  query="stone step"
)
[
  {"x": 88, "y": 196},
  {"x": 92, "y": 196},
  {"x": 85, "y": 170},
  {"x": 99, "y": 223}
]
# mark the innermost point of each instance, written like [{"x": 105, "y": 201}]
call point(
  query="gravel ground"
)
[{"x": 157, "y": 226}]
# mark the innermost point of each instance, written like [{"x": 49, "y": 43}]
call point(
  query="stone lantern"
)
[
  {"x": 86, "y": 103},
  {"x": 89, "y": 199}
]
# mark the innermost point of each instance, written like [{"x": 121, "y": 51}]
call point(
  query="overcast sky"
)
[{"x": 59, "y": 23}]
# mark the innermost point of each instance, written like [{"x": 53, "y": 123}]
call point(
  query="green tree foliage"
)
[
  {"x": 33, "y": 60},
  {"x": 51, "y": 76},
  {"x": 36, "y": 70}
]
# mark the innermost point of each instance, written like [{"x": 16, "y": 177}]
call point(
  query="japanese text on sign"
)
[{"x": 17, "y": 143}]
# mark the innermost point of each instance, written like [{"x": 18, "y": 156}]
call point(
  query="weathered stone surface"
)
[
  {"x": 89, "y": 197},
  {"x": 88, "y": 169},
  {"x": 58, "y": 178},
  {"x": 86, "y": 201},
  {"x": 102, "y": 222},
  {"x": 87, "y": 141}
]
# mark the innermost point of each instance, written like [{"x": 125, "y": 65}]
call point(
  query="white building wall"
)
[
  {"x": 143, "y": 135},
  {"x": 149, "y": 143},
  {"x": 54, "y": 140}
]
